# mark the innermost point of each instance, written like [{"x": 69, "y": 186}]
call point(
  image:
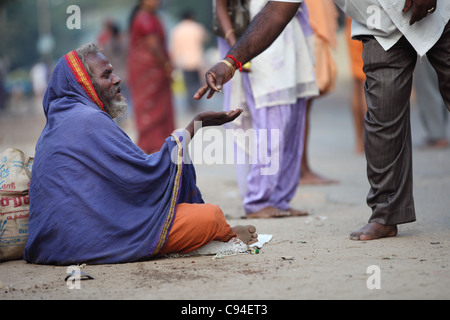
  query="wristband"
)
[
  {"x": 237, "y": 63},
  {"x": 229, "y": 66}
]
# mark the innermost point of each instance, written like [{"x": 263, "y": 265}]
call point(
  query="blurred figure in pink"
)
[{"x": 186, "y": 49}]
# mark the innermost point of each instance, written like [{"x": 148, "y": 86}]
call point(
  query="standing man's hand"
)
[
  {"x": 420, "y": 9},
  {"x": 265, "y": 27},
  {"x": 215, "y": 78}
]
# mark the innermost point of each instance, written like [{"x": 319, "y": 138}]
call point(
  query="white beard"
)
[{"x": 117, "y": 108}]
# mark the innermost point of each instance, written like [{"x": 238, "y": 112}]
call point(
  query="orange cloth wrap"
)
[
  {"x": 196, "y": 225},
  {"x": 323, "y": 20},
  {"x": 355, "y": 48}
]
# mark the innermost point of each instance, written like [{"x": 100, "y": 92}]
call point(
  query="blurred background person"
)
[
  {"x": 323, "y": 21},
  {"x": 107, "y": 32},
  {"x": 149, "y": 77},
  {"x": 3, "y": 92},
  {"x": 432, "y": 111},
  {"x": 358, "y": 101},
  {"x": 187, "y": 42},
  {"x": 273, "y": 94},
  {"x": 39, "y": 76}
]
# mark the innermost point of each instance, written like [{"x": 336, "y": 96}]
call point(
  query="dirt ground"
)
[{"x": 323, "y": 263}]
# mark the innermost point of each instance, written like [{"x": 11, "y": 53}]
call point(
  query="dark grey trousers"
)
[{"x": 387, "y": 142}]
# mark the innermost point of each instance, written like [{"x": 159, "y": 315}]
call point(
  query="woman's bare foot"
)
[
  {"x": 373, "y": 230},
  {"x": 247, "y": 234},
  {"x": 272, "y": 212}
]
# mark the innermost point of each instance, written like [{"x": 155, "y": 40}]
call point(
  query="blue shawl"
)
[{"x": 95, "y": 197}]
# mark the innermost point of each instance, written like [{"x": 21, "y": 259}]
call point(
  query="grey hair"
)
[
  {"x": 112, "y": 107},
  {"x": 84, "y": 51}
]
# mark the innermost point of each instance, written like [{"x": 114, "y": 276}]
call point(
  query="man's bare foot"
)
[
  {"x": 247, "y": 234},
  {"x": 373, "y": 230},
  {"x": 272, "y": 212},
  {"x": 311, "y": 178}
]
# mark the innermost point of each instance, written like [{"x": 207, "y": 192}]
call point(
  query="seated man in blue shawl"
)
[{"x": 95, "y": 197}]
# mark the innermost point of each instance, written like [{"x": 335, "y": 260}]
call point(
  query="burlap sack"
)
[{"x": 15, "y": 174}]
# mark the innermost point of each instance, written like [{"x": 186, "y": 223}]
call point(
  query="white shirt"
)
[{"x": 385, "y": 20}]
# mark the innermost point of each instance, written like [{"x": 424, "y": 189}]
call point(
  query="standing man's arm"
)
[{"x": 262, "y": 31}]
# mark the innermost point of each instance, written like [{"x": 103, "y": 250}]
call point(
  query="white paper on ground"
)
[
  {"x": 234, "y": 246},
  {"x": 262, "y": 239}
]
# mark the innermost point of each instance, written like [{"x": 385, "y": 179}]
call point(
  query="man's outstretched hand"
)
[
  {"x": 420, "y": 9},
  {"x": 212, "y": 118}
]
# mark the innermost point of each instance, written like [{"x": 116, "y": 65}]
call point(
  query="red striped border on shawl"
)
[{"x": 82, "y": 77}]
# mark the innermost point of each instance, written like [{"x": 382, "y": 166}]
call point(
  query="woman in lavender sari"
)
[{"x": 274, "y": 101}]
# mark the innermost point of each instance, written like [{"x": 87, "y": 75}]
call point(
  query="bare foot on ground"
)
[
  {"x": 247, "y": 234},
  {"x": 311, "y": 178},
  {"x": 296, "y": 213},
  {"x": 272, "y": 212},
  {"x": 373, "y": 230}
]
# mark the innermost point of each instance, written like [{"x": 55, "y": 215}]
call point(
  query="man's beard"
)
[{"x": 112, "y": 106}]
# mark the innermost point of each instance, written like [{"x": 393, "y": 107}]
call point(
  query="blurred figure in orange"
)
[
  {"x": 323, "y": 20},
  {"x": 359, "y": 105}
]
